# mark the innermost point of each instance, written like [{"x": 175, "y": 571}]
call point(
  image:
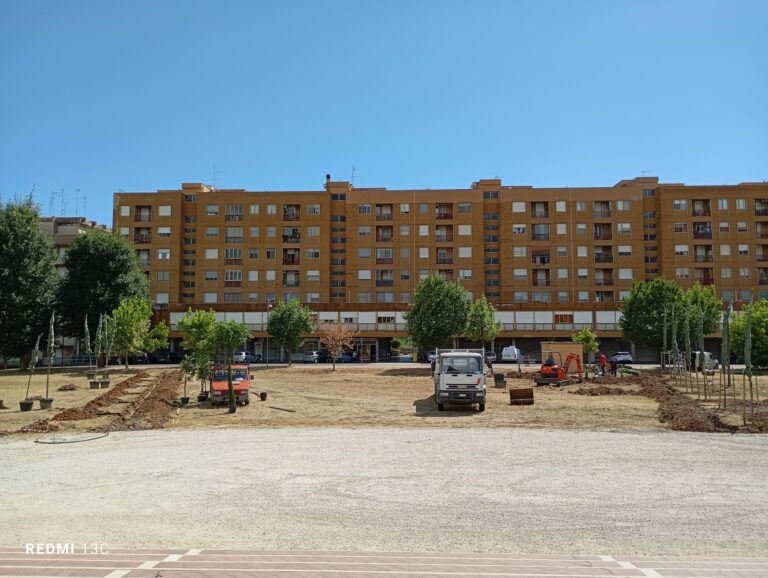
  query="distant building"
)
[
  {"x": 551, "y": 260},
  {"x": 64, "y": 230}
]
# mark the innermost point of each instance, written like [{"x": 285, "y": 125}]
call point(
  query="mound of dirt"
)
[
  {"x": 602, "y": 390},
  {"x": 41, "y": 426},
  {"x": 94, "y": 407},
  {"x": 153, "y": 412},
  {"x": 679, "y": 411},
  {"x": 68, "y": 387}
]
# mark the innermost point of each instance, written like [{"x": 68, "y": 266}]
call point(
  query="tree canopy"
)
[
  {"x": 439, "y": 312},
  {"x": 588, "y": 340},
  {"x": 198, "y": 328},
  {"x": 27, "y": 278},
  {"x": 133, "y": 333},
  {"x": 335, "y": 337},
  {"x": 102, "y": 270},
  {"x": 759, "y": 333},
  {"x": 481, "y": 321},
  {"x": 288, "y": 323}
]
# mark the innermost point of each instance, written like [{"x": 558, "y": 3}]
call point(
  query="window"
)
[
  {"x": 582, "y": 274},
  {"x": 405, "y": 297},
  {"x": 725, "y": 250},
  {"x": 253, "y": 276},
  {"x": 581, "y": 228},
  {"x": 649, "y": 214},
  {"x": 405, "y": 208},
  {"x": 722, "y": 204},
  {"x": 363, "y": 297},
  {"x": 679, "y": 205},
  {"x": 313, "y": 253},
  {"x": 363, "y": 209},
  {"x": 269, "y": 275},
  {"x": 312, "y": 298},
  {"x": 562, "y": 273},
  {"x": 253, "y": 253},
  {"x": 364, "y": 252},
  {"x": 423, "y": 230},
  {"x": 581, "y": 251},
  {"x": 624, "y": 228},
  {"x": 727, "y": 296},
  {"x": 561, "y": 227},
  {"x": 622, "y": 205},
  {"x": 681, "y": 227},
  {"x": 163, "y": 254},
  {"x": 385, "y": 297},
  {"x": 271, "y": 231},
  {"x": 163, "y": 231},
  {"x": 423, "y": 252},
  {"x": 725, "y": 227},
  {"x": 211, "y": 231},
  {"x": 741, "y": 204},
  {"x": 164, "y": 211},
  {"x": 491, "y": 217},
  {"x": 423, "y": 208},
  {"x": 423, "y": 274},
  {"x": 465, "y": 274},
  {"x": 163, "y": 275},
  {"x": 124, "y": 231},
  {"x": 233, "y": 298},
  {"x": 625, "y": 273},
  {"x": 364, "y": 231},
  {"x": 519, "y": 251},
  {"x": 465, "y": 230},
  {"x": 313, "y": 231},
  {"x": 465, "y": 252},
  {"x": 681, "y": 250},
  {"x": 405, "y": 230},
  {"x": 649, "y": 192},
  {"x": 254, "y": 209},
  {"x": 271, "y": 209},
  {"x": 313, "y": 209},
  {"x": 125, "y": 211},
  {"x": 625, "y": 250},
  {"x": 741, "y": 227},
  {"x": 465, "y": 207},
  {"x": 270, "y": 253},
  {"x": 405, "y": 274},
  {"x": 364, "y": 274},
  {"x": 581, "y": 206},
  {"x": 745, "y": 296},
  {"x": 743, "y": 249},
  {"x": 313, "y": 275},
  {"x": 405, "y": 252},
  {"x": 212, "y": 210},
  {"x": 583, "y": 296},
  {"x": 744, "y": 272},
  {"x": 725, "y": 272},
  {"x": 211, "y": 275},
  {"x": 520, "y": 274},
  {"x": 518, "y": 207},
  {"x": 562, "y": 251},
  {"x": 518, "y": 229},
  {"x": 210, "y": 297},
  {"x": 521, "y": 297},
  {"x": 541, "y": 297},
  {"x": 560, "y": 206},
  {"x": 233, "y": 275}
]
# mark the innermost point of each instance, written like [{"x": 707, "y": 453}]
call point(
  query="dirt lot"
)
[{"x": 354, "y": 396}]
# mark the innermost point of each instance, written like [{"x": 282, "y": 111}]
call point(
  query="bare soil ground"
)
[{"x": 354, "y": 396}]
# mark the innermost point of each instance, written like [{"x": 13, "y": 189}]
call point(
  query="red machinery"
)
[{"x": 554, "y": 372}]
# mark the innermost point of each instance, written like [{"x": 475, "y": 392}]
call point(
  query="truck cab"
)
[
  {"x": 241, "y": 383},
  {"x": 459, "y": 378}
]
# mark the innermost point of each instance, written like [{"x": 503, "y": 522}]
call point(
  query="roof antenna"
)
[
  {"x": 352, "y": 178},
  {"x": 214, "y": 176},
  {"x": 50, "y": 203},
  {"x": 644, "y": 172}
]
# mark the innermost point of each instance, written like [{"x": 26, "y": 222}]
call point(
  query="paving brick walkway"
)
[{"x": 120, "y": 563}]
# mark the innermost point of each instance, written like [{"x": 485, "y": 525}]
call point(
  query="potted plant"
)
[
  {"x": 47, "y": 402},
  {"x": 26, "y": 404}
]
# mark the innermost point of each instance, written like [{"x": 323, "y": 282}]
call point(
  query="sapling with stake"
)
[{"x": 33, "y": 359}]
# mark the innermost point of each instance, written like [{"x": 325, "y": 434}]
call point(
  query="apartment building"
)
[{"x": 552, "y": 260}]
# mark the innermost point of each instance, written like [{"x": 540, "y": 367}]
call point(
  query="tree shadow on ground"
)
[{"x": 408, "y": 372}]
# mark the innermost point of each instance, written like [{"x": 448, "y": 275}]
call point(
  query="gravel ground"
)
[{"x": 378, "y": 489}]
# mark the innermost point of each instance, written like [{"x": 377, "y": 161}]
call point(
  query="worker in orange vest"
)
[{"x": 601, "y": 362}]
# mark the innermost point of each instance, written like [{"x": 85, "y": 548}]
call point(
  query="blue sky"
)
[{"x": 143, "y": 95}]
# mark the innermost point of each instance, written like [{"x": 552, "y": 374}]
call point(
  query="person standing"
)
[{"x": 601, "y": 362}]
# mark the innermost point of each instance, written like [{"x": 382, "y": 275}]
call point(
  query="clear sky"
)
[{"x": 100, "y": 96}]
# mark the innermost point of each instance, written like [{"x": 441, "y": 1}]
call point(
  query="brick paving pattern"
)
[{"x": 123, "y": 563}]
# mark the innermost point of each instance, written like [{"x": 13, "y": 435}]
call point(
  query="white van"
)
[
  {"x": 511, "y": 354},
  {"x": 709, "y": 362}
]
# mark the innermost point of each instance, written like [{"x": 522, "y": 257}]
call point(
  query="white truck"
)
[{"x": 459, "y": 377}]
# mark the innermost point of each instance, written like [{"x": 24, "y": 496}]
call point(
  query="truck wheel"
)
[
  {"x": 481, "y": 407},
  {"x": 440, "y": 406}
]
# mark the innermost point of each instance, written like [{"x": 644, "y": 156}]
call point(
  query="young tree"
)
[
  {"x": 27, "y": 278},
  {"x": 198, "y": 328},
  {"x": 439, "y": 312},
  {"x": 481, "y": 321},
  {"x": 759, "y": 349},
  {"x": 588, "y": 340},
  {"x": 228, "y": 336},
  {"x": 133, "y": 333},
  {"x": 102, "y": 271},
  {"x": 288, "y": 323},
  {"x": 335, "y": 337}
]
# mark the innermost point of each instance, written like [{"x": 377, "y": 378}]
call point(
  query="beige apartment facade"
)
[{"x": 552, "y": 260}]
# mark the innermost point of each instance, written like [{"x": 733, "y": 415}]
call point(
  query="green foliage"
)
[
  {"x": 133, "y": 333},
  {"x": 439, "y": 312},
  {"x": 642, "y": 312},
  {"x": 27, "y": 278},
  {"x": 588, "y": 340},
  {"x": 102, "y": 271},
  {"x": 759, "y": 345},
  {"x": 228, "y": 336},
  {"x": 288, "y": 323},
  {"x": 197, "y": 328},
  {"x": 400, "y": 344},
  {"x": 481, "y": 321}
]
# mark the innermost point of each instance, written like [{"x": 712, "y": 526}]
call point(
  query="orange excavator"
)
[{"x": 554, "y": 372}]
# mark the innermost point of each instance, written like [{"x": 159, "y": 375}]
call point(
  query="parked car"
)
[
  {"x": 246, "y": 357},
  {"x": 344, "y": 358},
  {"x": 621, "y": 357},
  {"x": 709, "y": 362},
  {"x": 311, "y": 357},
  {"x": 490, "y": 356},
  {"x": 511, "y": 354}
]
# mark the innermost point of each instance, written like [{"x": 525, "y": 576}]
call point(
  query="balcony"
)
[
  {"x": 604, "y": 282},
  {"x": 540, "y": 260},
  {"x": 540, "y": 282},
  {"x": 142, "y": 239},
  {"x": 761, "y": 207},
  {"x": 383, "y": 260},
  {"x": 143, "y": 262},
  {"x": 601, "y": 209},
  {"x": 702, "y": 233},
  {"x": 762, "y": 276},
  {"x": 291, "y": 238},
  {"x": 604, "y": 297},
  {"x": 291, "y": 261},
  {"x": 762, "y": 257},
  {"x": 233, "y": 283},
  {"x": 383, "y": 216},
  {"x": 233, "y": 239},
  {"x": 602, "y": 233},
  {"x": 384, "y": 238},
  {"x": 706, "y": 280},
  {"x": 444, "y": 211},
  {"x": 233, "y": 261},
  {"x": 443, "y": 238},
  {"x": 703, "y": 257},
  {"x": 384, "y": 282},
  {"x": 761, "y": 232},
  {"x": 701, "y": 208},
  {"x": 603, "y": 258},
  {"x": 290, "y": 283},
  {"x": 444, "y": 260},
  {"x": 291, "y": 212},
  {"x": 142, "y": 218},
  {"x": 540, "y": 210}
]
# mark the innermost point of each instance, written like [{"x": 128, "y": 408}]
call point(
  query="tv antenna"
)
[
  {"x": 63, "y": 203},
  {"x": 214, "y": 175},
  {"x": 77, "y": 203},
  {"x": 643, "y": 173},
  {"x": 50, "y": 204},
  {"x": 352, "y": 178}
]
